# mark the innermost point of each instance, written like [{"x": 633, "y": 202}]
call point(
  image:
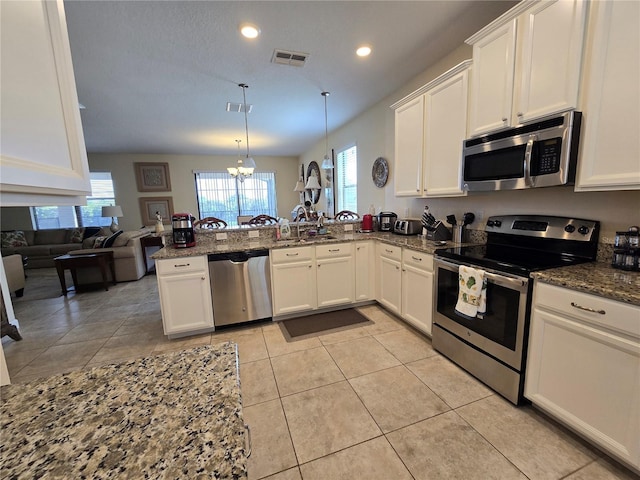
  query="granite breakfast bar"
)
[{"x": 176, "y": 415}]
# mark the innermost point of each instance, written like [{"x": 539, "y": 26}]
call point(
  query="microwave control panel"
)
[{"x": 547, "y": 156}]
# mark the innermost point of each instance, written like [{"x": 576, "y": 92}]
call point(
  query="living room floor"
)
[{"x": 374, "y": 401}]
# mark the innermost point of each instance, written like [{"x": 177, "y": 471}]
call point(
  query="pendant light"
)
[
  {"x": 327, "y": 162},
  {"x": 245, "y": 167}
]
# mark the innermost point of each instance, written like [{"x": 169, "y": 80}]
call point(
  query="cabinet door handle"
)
[
  {"x": 182, "y": 265},
  {"x": 291, "y": 254},
  {"x": 588, "y": 309},
  {"x": 311, "y": 266},
  {"x": 202, "y": 278},
  {"x": 397, "y": 267},
  {"x": 504, "y": 119},
  {"x": 520, "y": 114}
]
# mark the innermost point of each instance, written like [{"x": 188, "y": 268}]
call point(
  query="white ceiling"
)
[{"x": 155, "y": 76}]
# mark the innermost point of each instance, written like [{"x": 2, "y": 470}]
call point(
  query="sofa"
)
[
  {"x": 127, "y": 255},
  {"x": 42, "y": 246}
]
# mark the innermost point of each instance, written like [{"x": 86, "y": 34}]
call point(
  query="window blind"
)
[{"x": 347, "y": 179}]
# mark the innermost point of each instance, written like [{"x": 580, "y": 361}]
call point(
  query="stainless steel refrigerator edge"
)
[{"x": 240, "y": 286}]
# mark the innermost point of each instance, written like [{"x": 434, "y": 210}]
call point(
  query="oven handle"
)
[{"x": 503, "y": 279}]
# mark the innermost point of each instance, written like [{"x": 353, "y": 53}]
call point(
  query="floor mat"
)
[{"x": 323, "y": 323}]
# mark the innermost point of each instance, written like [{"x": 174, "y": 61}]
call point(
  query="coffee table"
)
[{"x": 90, "y": 260}]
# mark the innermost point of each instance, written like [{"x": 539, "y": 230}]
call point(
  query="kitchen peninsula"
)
[{"x": 177, "y": 415}]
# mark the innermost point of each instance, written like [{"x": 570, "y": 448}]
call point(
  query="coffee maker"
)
[{"x": 183, "y": 233}]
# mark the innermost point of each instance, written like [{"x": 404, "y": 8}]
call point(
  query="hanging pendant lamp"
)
[
  {"x": 327, "y": 162},
  {"x": 245, "y": 167}
]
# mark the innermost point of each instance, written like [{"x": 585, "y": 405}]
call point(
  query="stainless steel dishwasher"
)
[{"x": 240, "y": 286}]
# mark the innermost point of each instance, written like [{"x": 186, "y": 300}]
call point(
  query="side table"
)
[
  {"x": 73, "y": 262},
  {"x": 149, "y": 241}
]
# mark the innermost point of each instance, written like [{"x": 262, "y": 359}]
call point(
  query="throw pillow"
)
[
  {"x": 109, "y": 241},
  {"x": 97, "y": 243},
  {"x": 90, "y": 232},
  {"x": 14, "y": 239},
  {"x": 76, "y": 235}
]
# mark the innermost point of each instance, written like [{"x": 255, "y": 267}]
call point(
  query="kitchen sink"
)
[{"x": 315, "y": 239}]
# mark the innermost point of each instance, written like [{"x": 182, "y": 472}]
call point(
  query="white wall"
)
[
  {"x": 183, "y": 191},
  {"x": 373, "y": 132}
]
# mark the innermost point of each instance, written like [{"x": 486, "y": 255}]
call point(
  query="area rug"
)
[{"x": 323, "y": 323}]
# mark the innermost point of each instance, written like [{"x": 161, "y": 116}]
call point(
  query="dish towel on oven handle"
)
[{"x": 472, "y": 293}]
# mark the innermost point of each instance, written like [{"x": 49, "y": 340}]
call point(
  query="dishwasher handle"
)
[{"x": 237, "y": 257}]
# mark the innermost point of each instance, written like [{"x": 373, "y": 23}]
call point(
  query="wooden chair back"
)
[
  {"x": 263, "y": 220},
  {"x": 209, "y": 223},
  {"x": 347, "y": 215}
]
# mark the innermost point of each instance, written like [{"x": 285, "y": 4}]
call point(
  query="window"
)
[
  {"x": 347, "y": 179},
  {"x": 224, "y": 197},
  {"x": 81, "y": 216}
]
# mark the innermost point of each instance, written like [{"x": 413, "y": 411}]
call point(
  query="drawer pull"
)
[
  {"x": 587, "y": 309},
  {"x": 416, "y": 258},
  {"x": 388, "y": 251},
  {"x": 334, "y": 250},
  {"x": 291, "y": 254},
  {"x": 182, "y": 265}
]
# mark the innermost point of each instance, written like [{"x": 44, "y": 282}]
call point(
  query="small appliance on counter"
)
[
  {"x": 626, "y": 250},
  {"x": 407, "y": 226},
  {"x": 386, "y": 221},
  {"x": 183, "y": 233},
  {"x": 367, "y": 223}
]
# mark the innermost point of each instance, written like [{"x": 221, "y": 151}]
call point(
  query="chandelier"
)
[{"x": 244, "y": 167}]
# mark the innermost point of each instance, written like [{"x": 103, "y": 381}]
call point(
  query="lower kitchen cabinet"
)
[
  {"x": 335, "y": 274},
  {"x": 185, "y": 295},
  {"x": 417, "y": 289},
  {"x": 390, "y": 270},
  {"x": 583, "y": 367},
  {"x": 293, "y": 280},
  {"x": 365, "y": 270}
]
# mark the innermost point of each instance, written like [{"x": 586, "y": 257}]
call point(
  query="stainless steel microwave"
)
[{"x": 543, "y": 153}]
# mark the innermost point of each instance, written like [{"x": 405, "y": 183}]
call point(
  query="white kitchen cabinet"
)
[
  {"x": 335, "y": 274},
  {"x": 409, "y": 147},
  {"x": 431, "y": 124},
  {"x": 43, "y": 155},
  {"x": 544, "y": 66},
  {"x": 417, "y": 289},
  {"x": 293, "y": 280},
  {"x": 390, "y": 277},
  {"x": 610, "y": 144},
  {"x": 185, "y": 295},
  {"x": 365, "y": 270},
  {"x": 445, "y": 130},
  {"x": 583, "y": 367}
]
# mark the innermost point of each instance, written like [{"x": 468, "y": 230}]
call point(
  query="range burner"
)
[{"x": 521, "y": 244}]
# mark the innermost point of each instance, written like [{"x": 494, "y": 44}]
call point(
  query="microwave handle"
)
[{"x": 527, "y": 160}]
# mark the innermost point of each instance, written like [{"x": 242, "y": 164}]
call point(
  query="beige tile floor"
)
[{"x": 372, "y": 402}]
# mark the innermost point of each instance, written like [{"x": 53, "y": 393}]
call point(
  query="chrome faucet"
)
[{"x": 306, "y": 216}]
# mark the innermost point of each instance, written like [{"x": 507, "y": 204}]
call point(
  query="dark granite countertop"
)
[
  {"x": 597, "y": 278},
  {"x": 176, "y": 415}
]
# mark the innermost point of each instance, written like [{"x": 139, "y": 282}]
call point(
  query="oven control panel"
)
[{"x": 544, "y": 226}]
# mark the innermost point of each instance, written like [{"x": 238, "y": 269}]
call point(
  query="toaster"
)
[{"x": 407, "y": 227}]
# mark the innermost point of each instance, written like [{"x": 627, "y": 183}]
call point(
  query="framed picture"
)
[
  {"x": 150, "y": 205},
  {"x": 152, "y": 177}
]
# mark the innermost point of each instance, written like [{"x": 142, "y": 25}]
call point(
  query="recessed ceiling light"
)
[
  {"x": 363, "y": 51},
  {"x": 249, "y": 30}
]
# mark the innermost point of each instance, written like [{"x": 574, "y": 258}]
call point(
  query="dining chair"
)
[
  {"x": 209, "y": 223},
  {"x": 263, "y": 220},
  {"x": 347, "y": 215}
]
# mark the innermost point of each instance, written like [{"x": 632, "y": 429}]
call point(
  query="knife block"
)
[{"x": 438, "y": 232}]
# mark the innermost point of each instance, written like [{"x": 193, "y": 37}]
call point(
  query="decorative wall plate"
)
[
  {"x": 314, "y": 194},
  {"x": 380, "y": 172}
]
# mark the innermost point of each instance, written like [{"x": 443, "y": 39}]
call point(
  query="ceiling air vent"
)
[
  {"x": 285, "y": 57},
  {"x": 238, "y": 107}
]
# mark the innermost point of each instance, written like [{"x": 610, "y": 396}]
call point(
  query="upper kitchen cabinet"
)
[
  {"x": 429, "y": 130},
  {"x": 526, "y": 64},
  {"x": 610, "y": 144},
  {"x": 44, "y": 160}
]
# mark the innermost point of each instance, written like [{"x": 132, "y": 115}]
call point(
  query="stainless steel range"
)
[{"x": 491, "y": 343}]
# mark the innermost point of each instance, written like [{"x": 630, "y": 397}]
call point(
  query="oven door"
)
[{"x": 501, "y": 330}]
